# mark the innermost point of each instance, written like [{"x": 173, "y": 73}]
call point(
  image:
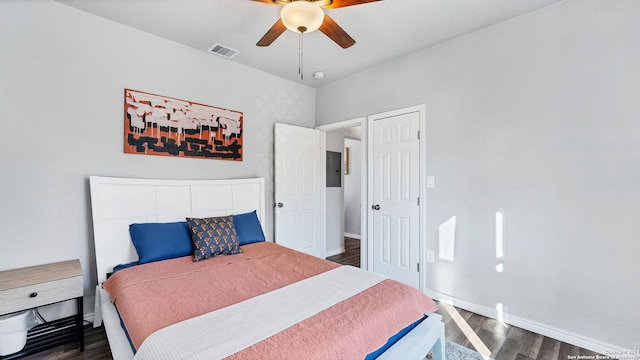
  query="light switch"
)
[
  {"x": 430, "y": 256},
  {"x": 431, "y": 181}
]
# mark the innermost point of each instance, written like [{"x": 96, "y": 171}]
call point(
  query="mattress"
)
[{"x": 157, "y": 296}]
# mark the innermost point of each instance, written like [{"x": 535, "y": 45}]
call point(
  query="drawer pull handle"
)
[{"x": 33, "y": 294}]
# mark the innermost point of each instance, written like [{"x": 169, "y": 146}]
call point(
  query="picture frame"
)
[{"x": 166, "y": 126}]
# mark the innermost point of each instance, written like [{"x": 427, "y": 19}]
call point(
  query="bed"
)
[{"x": 268, "y": 312}]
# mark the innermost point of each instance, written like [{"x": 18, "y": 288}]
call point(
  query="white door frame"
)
[
  {"x": 422, "y": 192},
  {"x": 362, "y": 122}
]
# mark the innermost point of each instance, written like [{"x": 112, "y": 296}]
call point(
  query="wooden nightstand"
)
[{"x": 35, "y": 286}]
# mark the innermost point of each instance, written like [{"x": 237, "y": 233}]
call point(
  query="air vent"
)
[{"x": 223, "y": 51}]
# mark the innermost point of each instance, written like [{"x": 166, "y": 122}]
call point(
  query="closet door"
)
[{"x": 395, "y": 209}]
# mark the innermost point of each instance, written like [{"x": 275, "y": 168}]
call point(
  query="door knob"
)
[
  {"x": 375, "y": 207},
  {"x": 279, "y": 204}
]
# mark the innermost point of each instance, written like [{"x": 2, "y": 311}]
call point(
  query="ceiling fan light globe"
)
[{"x": 302, "y": 15}]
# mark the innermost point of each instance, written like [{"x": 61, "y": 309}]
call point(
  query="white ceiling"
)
[{"x": 383, "y": 30}]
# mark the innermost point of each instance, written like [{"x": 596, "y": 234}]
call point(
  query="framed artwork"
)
[{"x": 160, "y": 125}]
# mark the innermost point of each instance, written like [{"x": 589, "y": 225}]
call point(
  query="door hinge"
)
[
  {"x": 418, "y": 200},
  {"x": 418, "y": 134},
  {"x": 418, "y": 267}
]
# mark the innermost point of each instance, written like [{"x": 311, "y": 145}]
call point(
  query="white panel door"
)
[
  {"x": 299, "y": 184},
  {"x": 395, "y": 207}
]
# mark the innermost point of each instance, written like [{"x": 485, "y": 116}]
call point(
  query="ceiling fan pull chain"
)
[{"x": 300, "y": 59}]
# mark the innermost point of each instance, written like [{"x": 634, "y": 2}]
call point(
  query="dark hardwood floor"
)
[
  {"x": 502, "y": 341},
  {"x": 487, "y": 336},
  {"x": 96, "y": 347},
  {"x": 351, "y": 254}
]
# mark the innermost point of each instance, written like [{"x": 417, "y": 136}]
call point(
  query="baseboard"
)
[
  {"x": 333, "y": 252},
  {"x": 353, "y": 236},
  {"x": 534, "y": 326},
  {"x": 88, "y": 318}
]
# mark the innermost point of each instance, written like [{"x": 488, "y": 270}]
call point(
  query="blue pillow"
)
[
  {"x": 161, "y": 241},
  {"x": 122, "y": 267},
  {"x": 248, "y": 228}
]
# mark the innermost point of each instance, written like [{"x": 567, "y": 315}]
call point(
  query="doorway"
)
[
  {"x": 344, "y": 227},
  {"x": 346, "y": 213},
  {"x": 344, "y": 200}
]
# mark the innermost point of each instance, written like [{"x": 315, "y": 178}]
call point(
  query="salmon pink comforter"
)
[{"x": 153, "y": 296}]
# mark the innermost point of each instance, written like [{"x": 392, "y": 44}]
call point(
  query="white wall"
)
[
  {"x": 352, "y": 189},
  {"x": 536, "y": 118},
  {"x": 63, "y": 73},
  {"x": 335, "y": 202}
]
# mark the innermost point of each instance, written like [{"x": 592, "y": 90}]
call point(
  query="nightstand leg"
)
[{"x": 80, "y": 322}]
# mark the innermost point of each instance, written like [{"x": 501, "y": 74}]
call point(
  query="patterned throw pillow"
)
[{"x": 213, "y": 236}]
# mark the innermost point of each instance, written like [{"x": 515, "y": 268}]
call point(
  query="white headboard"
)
[{"x": 118, "y": 202}]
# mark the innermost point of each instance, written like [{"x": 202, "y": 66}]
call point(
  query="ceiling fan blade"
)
[
  {"x": 276, "y": 30},
  {"x": 265, "y": 1},
  {"x": 330, "y": 28},
  {"x": 342, "y": 3}
]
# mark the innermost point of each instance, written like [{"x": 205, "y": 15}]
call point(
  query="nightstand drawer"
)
[{"x": 31, "y": 296}]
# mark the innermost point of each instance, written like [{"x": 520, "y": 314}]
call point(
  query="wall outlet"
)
[{"x": 431, "y": 256}]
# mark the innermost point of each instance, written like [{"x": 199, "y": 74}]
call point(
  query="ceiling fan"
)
[{"x": 304, "y": 16}]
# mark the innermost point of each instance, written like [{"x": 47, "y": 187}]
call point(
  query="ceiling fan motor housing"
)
[
  {"x": 302, "y": 16},
  {"x": 321, "y": 3}
]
